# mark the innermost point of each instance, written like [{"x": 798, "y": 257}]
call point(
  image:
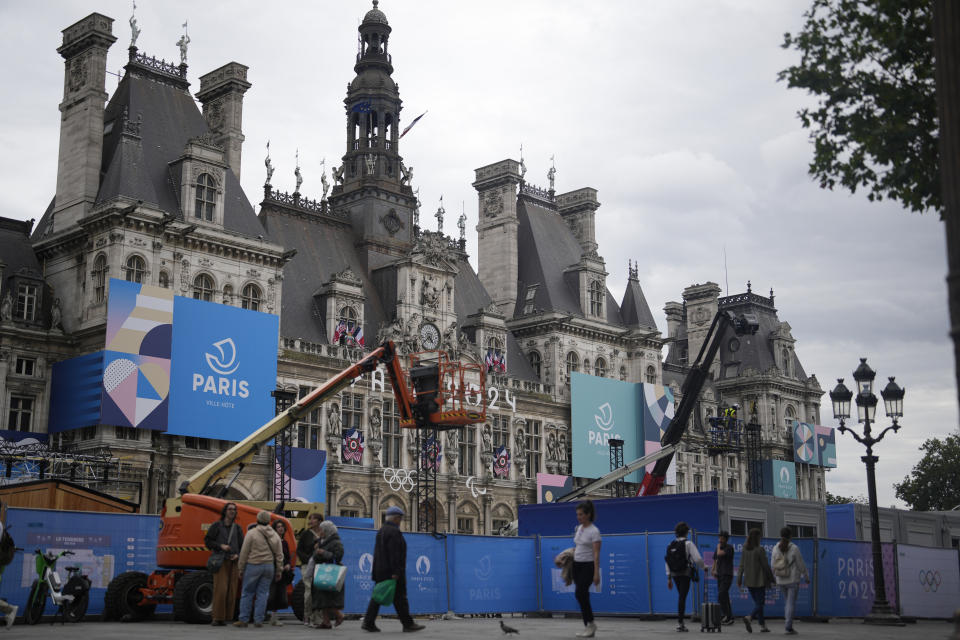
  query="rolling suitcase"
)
[{"x": 710, "y": 614}]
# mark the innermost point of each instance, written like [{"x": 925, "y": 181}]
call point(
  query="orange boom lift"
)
[{"x": 432, "y": 395}]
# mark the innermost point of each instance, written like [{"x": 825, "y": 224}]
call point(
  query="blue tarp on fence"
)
[{"x": 478, "y": 574}]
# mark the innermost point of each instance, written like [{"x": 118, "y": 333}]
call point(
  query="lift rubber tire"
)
[
  {"x": 297, "y": 600},
  {"x": 32, "y": 614},
  {"x": 193, "y": 598},
  {"x": 123, "y": 598},
  {"x": 79, "y": 588}
]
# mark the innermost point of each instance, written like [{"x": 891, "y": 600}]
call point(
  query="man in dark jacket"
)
[
  {"x": 723, "y": 571},
  {"x": 390, "y": 561}
]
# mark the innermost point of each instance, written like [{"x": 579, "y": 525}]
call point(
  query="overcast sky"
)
[{"x": 670, "y": 109}]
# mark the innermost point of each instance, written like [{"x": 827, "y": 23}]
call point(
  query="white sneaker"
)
[
  {"x": 274, "y": 621},
  {"x": 588, "y": 631},
  {"x": 10, "y": 617}
]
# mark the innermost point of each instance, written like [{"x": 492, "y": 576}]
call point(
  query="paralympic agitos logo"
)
[{"x": 224, "y": 362}]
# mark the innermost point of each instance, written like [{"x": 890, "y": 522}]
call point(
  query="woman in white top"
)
[
  {"x": 586, "y": 563},
  {"x": 788, "y": 570}
]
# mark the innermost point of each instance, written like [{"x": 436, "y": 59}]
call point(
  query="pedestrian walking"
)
[
  {"x": 788, "y": 570},
  {"x": 682, "y": 561},
  {"x": 586, "y": 563},
  {"x": 329, "y": 551},
  {"x": 224, "y": 539},
  {"x": 755, "y": 573},
  {"x": 722, "y": 570},
  {"x": 261, "y": 564},
  {"x": 278, "y": 590},
  {"x": 390, "y": 562},
  {"x": 306, "y": 546}
]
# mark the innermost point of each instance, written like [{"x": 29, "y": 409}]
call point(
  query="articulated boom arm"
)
[
  {"x": 242, "y": 453},
  {"x": 743, "y": 324}
]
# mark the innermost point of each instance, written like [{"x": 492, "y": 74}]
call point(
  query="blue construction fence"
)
[{"x": 488, "y": 574}]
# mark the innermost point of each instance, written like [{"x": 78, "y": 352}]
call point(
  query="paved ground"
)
[{"x": 473, "y": 629}]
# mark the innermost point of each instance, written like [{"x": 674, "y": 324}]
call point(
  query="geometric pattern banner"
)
[
  {"x": 826, "y": 446},
  {"x": 804, "y": 443},
  {"x": 136, "y": 373}
]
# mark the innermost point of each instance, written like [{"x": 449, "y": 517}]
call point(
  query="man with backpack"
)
[
  {"x": 682, "y": 562},
  {"x": 788, "y": 570},
  {"x": 7, "y": 550}
]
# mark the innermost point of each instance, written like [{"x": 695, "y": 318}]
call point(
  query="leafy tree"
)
[
  {"x": 870, "y": 66},
  {"x": 934, "y": 483},
  {"x": 835, "y": 499},
  {"x": 886, "y": 77}
]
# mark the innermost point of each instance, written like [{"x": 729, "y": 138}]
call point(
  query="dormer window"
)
[
  {"x": 27, "y": 302},
  {"x": 531, "y": 294},
  {"x": 206, "y": 197},
  {"x": 250, "y": 297},
  {"x": 136, "y": 268},
  {"x": 596, "y": 298},
  {"x": 535, "y": 362},
  {"x": 203, "y": 287}
]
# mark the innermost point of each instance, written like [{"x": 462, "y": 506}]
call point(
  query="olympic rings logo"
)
[
  {"x": 930, "y": 580},
  {"x": 400, "y": 479}
]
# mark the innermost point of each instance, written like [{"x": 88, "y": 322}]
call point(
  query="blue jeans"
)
[
  {"x": 256, "y": 582},
  {"x": 758, "y": 594},
  {"x": 790, "y": 597}
]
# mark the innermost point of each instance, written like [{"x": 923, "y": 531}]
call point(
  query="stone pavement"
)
[{"x": 474, "y": 629}]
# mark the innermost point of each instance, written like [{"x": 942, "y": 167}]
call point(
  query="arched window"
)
[
  {"x": 623, "y": 374},
  {"x": 651, "y": 375},
  {"x": 250, "y": 297},
  {"x": 596, "y": 298},
  {"x": 789, "y": 415},
  {"x": 100, "y": 278},
  {"x": 573, "y": 362},
  {"x": 136, "y": 269},
  {"x": 600, "y": 368},
  {"x": 346, "y": 325},
  {"x": 203, "y": 287},
  {"x": 347, "y": 314},
  {"x": 206, "y": 197},
  {"x": 164, "y": 280},
  {"x": 535, "y": 362}
]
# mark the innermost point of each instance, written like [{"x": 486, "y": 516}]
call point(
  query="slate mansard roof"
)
[
  {"x": 159, "y": 108},
  {"x": 546, "y": 248}
]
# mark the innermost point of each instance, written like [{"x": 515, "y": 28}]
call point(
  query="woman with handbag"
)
[
  {"x": 788, "y": 570},
  {"x": 755, "y": 573},
  {"x": 224, "y": 539},
  {"x": 278, "y": 590},
  {"x": 329, "y": 552}
]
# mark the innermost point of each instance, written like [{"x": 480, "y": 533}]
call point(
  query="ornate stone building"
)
[
  {"x": 148, "y": 191},
  {"x": 760, "y": 373}
]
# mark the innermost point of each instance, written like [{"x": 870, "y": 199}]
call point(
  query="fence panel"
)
[
  {"x": 492, "y": 575},
  {"x": 845, "y": 578},
  {"x": 929, "y": 580}
]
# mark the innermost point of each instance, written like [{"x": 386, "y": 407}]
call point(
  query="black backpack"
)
[
  {"x": 7, "y": 548},
  {"x": 676, "y": 557}
]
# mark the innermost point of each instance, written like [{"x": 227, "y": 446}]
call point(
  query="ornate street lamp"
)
[{"x": 882, "y": 612}]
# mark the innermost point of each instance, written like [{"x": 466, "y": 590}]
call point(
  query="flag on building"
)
[
  {"x": 431, "y": 454},
  {"x": 352, "y": 446},
  {"x": 501, "y": 461},
  {"x": 357, "y": 334},
  {"x": 339, "y": 332},
  {"x": 410, "y": 126}
]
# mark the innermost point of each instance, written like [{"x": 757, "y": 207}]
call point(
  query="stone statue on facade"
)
[
  {"x": 562, "y": 448},
  {"x": 552, "y": 173},
  {"x": 337, "y": 174},
  {"x": 416, "y": 208},
  {"x": 406, "y": 174},
  {"x": 429, "y": 293},
  {"x": 523, "y": 165},
  {"x": 6, "y": 308},
  {"x": 182, "y": 43},
  {"x": 56, "y": 315},
  {"x": 268, "y": 164},
  {"x": 453, "y": 441},
  {"x": 334, "y": 420},
  {"x": 134, "y": 29},
  {"x": 450, "y": 342},
  {"x": 486, "y": 439},
  {"x": 296, "y": 173},
  {"x": 462, "y": 225},
  {"x": 390, "y": 331},
  {"x": 371, "y": 161},
  {"x": 439, "y": 216},
  {"x": 376, "y": 425},
  {"x": 323, "y": 178},
  {"x": 553, "y": 452},
  {"x": 519, "y": 444}
]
